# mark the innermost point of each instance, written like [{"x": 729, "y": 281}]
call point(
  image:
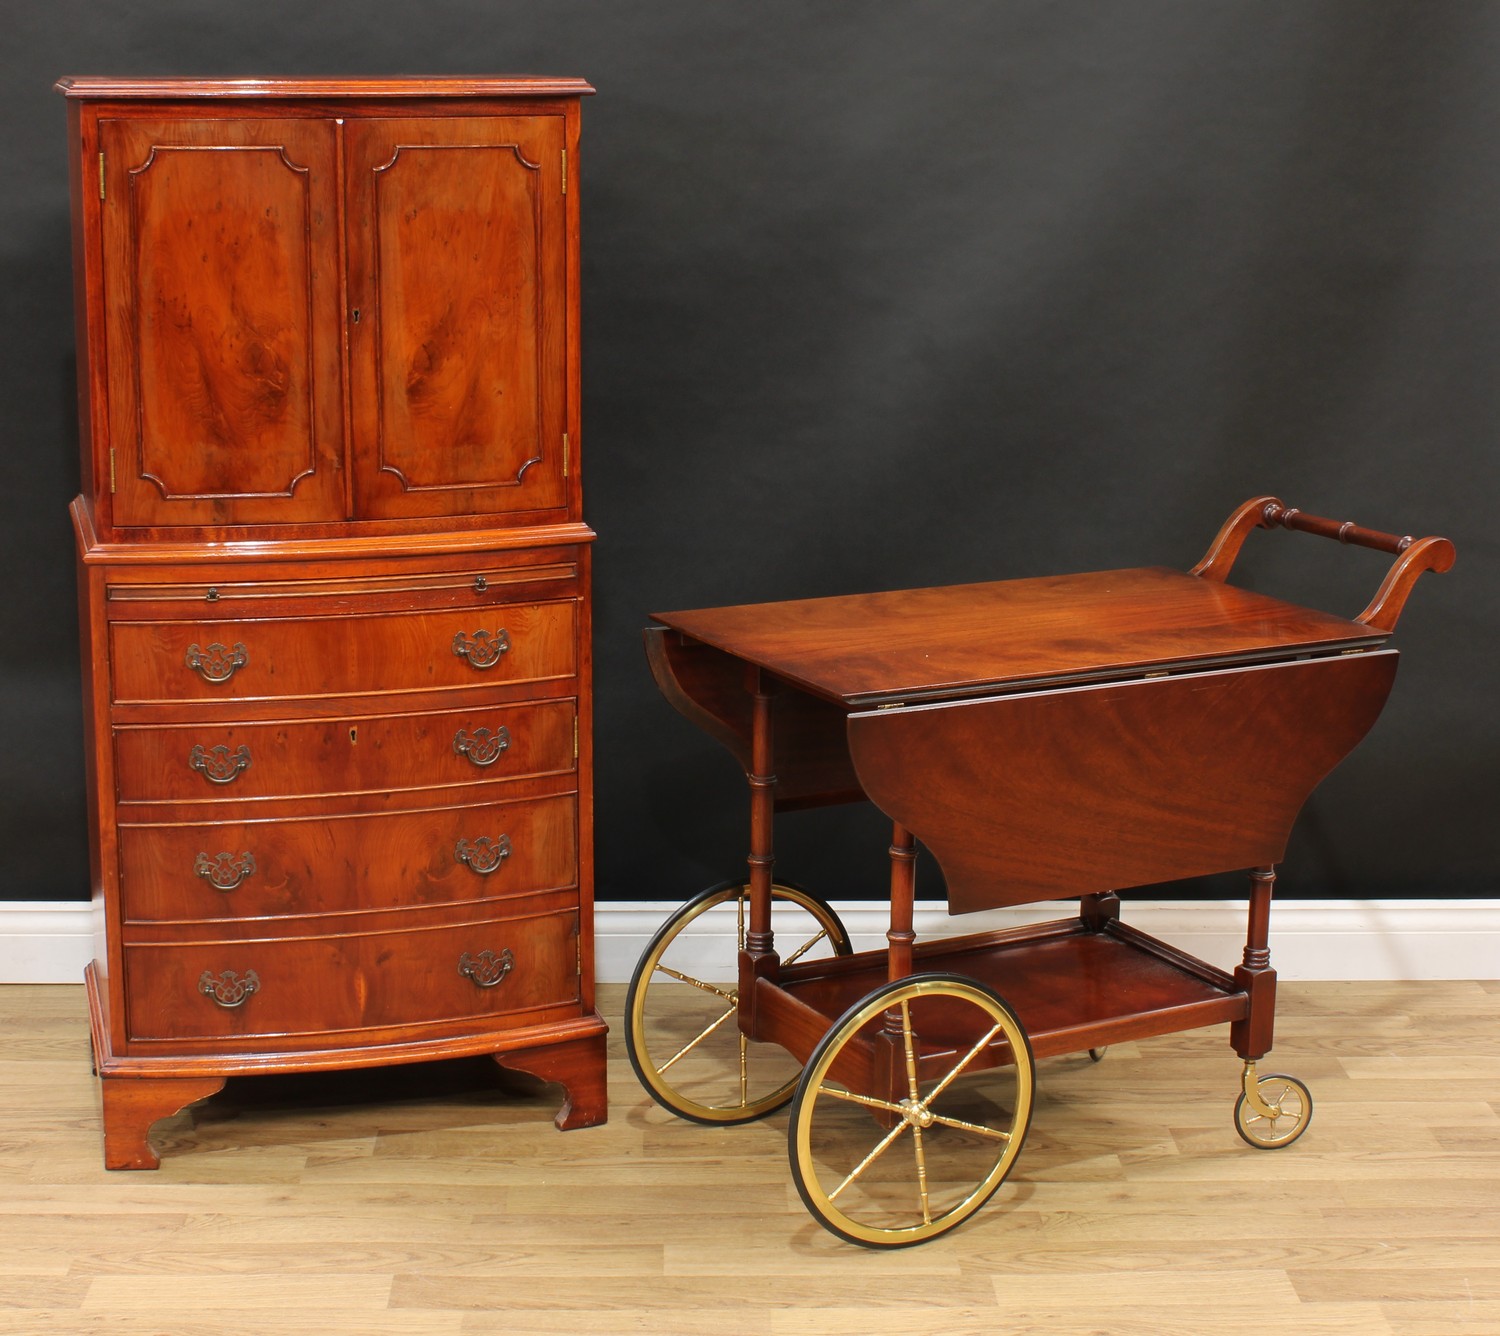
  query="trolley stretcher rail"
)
[{"x": 1045, "y": 739}]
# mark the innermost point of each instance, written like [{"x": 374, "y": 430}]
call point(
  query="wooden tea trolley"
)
[{"x": 1045, "y": 739}]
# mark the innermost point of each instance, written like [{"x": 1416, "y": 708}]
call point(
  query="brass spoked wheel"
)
[
  {"x": 1272, "y": 1111},
  {"x": 681, "y": 1023},
  {"x": 912, "y": 1110}
]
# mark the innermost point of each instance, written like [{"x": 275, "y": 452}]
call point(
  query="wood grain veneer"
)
[
  {"x": 234, "y": 866},
  {"x": 1083, "y": 790},
  {"x": 959, "y": 639}
]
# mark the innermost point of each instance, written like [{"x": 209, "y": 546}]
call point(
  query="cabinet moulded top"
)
[{"x": 391, "y": 86}]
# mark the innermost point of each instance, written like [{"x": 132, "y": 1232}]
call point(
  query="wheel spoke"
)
[
  {"x": 833, "y": 1092},
  {"x": 693, "y": 1043},
  {"x": 727, "y": 994},
  {"x": 994, "y": 1133},
  {"x": 916, "y": 1141},
  {"x": 914, "y": 1094},
  {"x": 963, "y": 1063},
  {"x": 821, "y": 936},
  {"x": 911, "y": 1057},
  {"x": 881, "y": 1147}
]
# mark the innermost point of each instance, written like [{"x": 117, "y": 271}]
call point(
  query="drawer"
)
[
  {"x": 323, "y": 757},
  {"x": 308, "y": 989},
  {"x": 334, "y": 865},
  {"x": 263, "y": 659}
]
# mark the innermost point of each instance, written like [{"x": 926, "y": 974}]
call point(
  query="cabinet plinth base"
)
[
  {"x": 578, "y": 1066},
  {"x": 131, "y": 1106}
]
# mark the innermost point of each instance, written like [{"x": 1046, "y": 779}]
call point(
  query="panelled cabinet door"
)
[
  {"x": 223, "y": 321},
  {"x": 458, "y": 338}
]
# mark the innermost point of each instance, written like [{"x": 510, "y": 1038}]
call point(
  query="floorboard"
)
[{"x": 440, "y": 1199}]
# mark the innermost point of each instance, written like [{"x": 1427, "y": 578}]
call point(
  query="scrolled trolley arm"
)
[{"x": 1414, "y": 556}]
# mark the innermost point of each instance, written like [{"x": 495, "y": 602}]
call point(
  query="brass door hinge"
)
[
  {"x": 565, "y": 172},
  {"x": 111, "y": 469},
  {"x": 101, "y": 176},
  {"x": 565, "y": 454},
  {"x": 575, "y": 736}
]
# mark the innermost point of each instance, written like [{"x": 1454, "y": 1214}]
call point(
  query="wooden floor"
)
[{"x": 433, "y": 1200}]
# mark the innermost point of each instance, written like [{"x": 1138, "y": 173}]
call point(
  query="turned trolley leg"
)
[
  {"x": 901, "y": 937},
  {"x": 890, "y": 1048},
  {"x": 1271, "y": 1111},
  {"x": 1097, "y": 911},
  {"x": 758, "y": 960},
  {"x": 1251, "y": 1037},
  {"x": 693, "y": 1026}
]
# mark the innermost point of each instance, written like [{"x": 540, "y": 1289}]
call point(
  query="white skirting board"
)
[{"x": 51, "y": 941}]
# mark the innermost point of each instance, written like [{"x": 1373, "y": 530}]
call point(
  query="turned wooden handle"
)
[
  {"x": 1346, "y": 531},
  {"x": 1414, "y": 556}
]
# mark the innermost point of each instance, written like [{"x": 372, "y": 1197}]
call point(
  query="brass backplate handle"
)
[
  {"x": 218, "y": 764},
  {"x": 482, "y": 746},
  {"x": 486, "y": 969},
  {"x": 228, "y": 989},
  {"x": 484, "y": 649},
  {"x": 217, "y": 663},
  {"x": 483, "y": 855},
  {"x": 224, "y": 871}
]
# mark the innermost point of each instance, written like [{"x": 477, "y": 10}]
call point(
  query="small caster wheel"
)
[
  {"x": 911, "y": 1111},
  {"x": 681, "y": 1011},
  {"x": 1097, "y": 1054},
  {"x": 1273, "y": 1111}
]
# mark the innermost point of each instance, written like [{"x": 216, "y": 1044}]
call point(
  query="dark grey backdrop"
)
[{"x": 899, "y": 293}]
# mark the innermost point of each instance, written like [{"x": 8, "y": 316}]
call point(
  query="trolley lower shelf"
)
[{"x": 1072, "y": 987}]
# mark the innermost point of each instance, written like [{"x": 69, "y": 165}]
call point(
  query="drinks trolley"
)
[{"x": 1044, "y": 739}]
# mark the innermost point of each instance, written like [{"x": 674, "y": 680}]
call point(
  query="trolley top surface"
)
[{"x": 958, "y": 640}]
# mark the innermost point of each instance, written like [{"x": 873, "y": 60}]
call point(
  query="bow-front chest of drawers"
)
[{"x": 334, "y": 584}]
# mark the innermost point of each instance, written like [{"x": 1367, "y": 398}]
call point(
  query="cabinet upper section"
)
[{"x": 348, "y": 305}]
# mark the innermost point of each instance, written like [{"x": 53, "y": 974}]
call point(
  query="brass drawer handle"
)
[
  {"x": 481, "y": 746},
  {"x": 486, "y": 969},
  {"x": 483, "y": 855},
  {"x": 484, "y": 649},
  {"x": 217, "y": 663},
  {"x": 224, "y": 871},
  {"x": 218, "y": 764},
  {"x": 229, "y": 989}
]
